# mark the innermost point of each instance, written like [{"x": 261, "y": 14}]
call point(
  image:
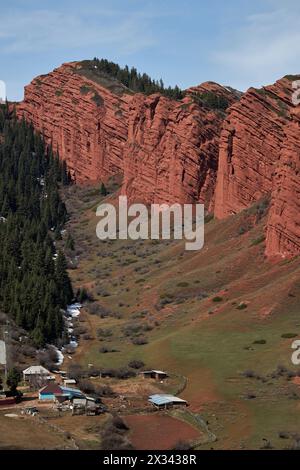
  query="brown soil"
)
[{"x": 158, "y": 431}]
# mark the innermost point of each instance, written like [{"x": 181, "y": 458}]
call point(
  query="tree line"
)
[
  {"x": 134, "y": 80},
  {"x": 34, "y": 282}
]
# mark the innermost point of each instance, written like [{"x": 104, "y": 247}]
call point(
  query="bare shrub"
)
[
  {"x": 104, "y": 391},
  {"x": 140, "y": 341},
  {"x": 77, "y": 372},
  {"x": 107, "y": 349},
  {"x": 136, "y": 364},
  {"x": 86, "y": 386},
  {"x": 113, "y": 435},
  {"x": 104, "y": 333}
]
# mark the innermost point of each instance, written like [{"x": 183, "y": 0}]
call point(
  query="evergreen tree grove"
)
[
  {"x": 132, "y": 79},
  {"x": 34, "y": 284}
]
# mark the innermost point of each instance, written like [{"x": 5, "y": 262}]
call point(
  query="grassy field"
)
[
  {"x": 217, "y": 316},
  {"x": 24, "y": 432}
]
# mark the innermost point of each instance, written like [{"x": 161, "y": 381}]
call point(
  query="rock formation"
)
[
  {"x": 166, "y": 149},
  {"x": 259, "y": 156},
  {"x": 250, "y": 145},
  {"x": 85, "y": 122},
  {"x": 283, "y": 228},
  {"x": 189, "y": 150},
  {"x": 171, "y": 154}
]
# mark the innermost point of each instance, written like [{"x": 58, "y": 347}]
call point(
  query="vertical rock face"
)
[
  {"x": 250, "y": 144},
  {"x": 283, "y": 229},
  {"x": 259, "y": 156},
  {"x": 167, "y": 150},
  {"x": 85, "y": 122},
  {"x": 193, "y": 150},
  {"x": 171, "y": 152}
]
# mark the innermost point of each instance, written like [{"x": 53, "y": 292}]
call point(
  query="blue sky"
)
[{"x": 240, "y": 43}]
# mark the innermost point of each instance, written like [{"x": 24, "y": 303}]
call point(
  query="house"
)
[
  {"x": 164, "y": 401},
  {"x": 35, "y": 373},
  {"x": 60, "y": 399},
  {"x": 154, "y": 374},
  {"x": 54, "y": 391},
  {"x": 50, "y": 391}
]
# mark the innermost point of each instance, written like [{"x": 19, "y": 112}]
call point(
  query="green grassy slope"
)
[{"x": 211, "y": 316}]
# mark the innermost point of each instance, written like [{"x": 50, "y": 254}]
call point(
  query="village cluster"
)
[{"x": 60, "y": 392}]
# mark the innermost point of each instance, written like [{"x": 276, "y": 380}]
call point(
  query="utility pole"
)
[{"x": 6, "y": 343}]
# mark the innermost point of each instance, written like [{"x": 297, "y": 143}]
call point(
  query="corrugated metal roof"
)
[
  {"x": 72, "y": 391},
  {"x": 154, "y": 371},
  {"x": 164, "y": 399},
  {"x": 51, "y": 389},
  {"x": 36, "y": 370}
]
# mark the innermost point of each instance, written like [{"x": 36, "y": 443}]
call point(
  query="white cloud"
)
[
  {"x": 44, "y": 30},
  {"x": 265, "y": 48}
]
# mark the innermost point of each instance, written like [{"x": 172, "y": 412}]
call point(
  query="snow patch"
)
[
  {"x": 60, "y": 356},
  {"x": 73, "y": 310}
]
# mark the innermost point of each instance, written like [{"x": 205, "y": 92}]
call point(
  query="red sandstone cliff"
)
[
  {"x": 250, "y": 145},
  {"x": 172, "y": 151},
  {"x": 259, "y": 156},
  {"x": 166, "y": 149},
  {"x": 86, "y": 122},
  {"x": 283, "y": 228}
]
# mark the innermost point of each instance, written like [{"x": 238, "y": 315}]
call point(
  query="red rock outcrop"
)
[
  {"x": 230, "y": 94},
  {"x": 84, "y": 121},
  {"x": 283, "y": 228},
  {"x": 166, "y": 149},
  {"x": 171, "y": 152},
  {"x": 250, "y": 144},
  {"x": 259, "y": 156}
]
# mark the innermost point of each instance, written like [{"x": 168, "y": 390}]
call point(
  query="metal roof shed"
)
[
  {"x": 165, "y": 401},
  {"x": 154, "y": 374}
]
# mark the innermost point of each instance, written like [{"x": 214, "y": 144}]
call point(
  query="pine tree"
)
[
  {"x": 13, "y": 379},
  {"x": 65, "y": 291}
]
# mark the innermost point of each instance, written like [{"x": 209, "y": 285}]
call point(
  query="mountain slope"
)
[{"x": 210, "y": 316}]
